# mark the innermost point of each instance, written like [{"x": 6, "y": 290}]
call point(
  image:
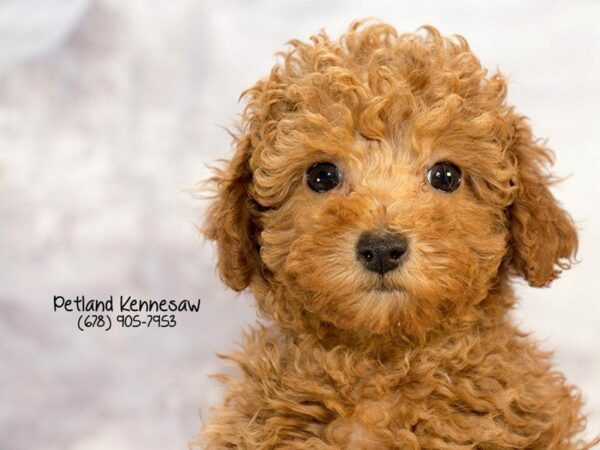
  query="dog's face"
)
[
  {"x": 382, "y": 232},
  {"x": 381, "y": 183}
]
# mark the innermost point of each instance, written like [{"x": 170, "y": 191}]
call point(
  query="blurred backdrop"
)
[{"x": 109, "y": 108}]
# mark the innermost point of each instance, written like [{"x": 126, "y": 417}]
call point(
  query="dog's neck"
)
[{"x": 297, "y": 323}]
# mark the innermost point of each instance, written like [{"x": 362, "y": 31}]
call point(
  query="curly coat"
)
[{"x": 434, "y": 363}]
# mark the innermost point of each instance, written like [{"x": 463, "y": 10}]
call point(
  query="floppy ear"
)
[
  {"x": 229, "y": 221},
  {"x": 543, "y": 236}
]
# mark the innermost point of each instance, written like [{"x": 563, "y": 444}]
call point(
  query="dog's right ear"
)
[{"x": 229, "y": 222}]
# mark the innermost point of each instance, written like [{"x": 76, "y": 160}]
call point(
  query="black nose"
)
[{"x": 380, "y": 251}]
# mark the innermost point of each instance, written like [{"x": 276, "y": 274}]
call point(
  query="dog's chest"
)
[
  {"x": 360, "y": 394},
  {"x": 366, "y": 400}
]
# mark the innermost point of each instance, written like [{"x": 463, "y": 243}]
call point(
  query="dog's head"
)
[{"x": 380, "y": 182}]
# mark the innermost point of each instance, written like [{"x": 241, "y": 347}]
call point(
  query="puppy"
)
[{"x": 380, "y": 199}]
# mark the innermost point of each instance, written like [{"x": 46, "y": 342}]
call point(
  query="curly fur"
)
[{"x": 434, "y": 362}]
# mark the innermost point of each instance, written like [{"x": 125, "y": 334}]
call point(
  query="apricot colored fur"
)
[{"x": 433, "y": 362}]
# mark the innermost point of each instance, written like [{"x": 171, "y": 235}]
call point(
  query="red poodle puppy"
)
[{"x": 381, "y": 196}]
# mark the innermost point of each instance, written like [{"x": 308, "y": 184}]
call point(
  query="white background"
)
[{"x": 109, "y": 108}]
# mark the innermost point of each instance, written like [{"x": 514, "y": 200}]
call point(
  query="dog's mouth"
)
[{"x": 384, "y": 286}]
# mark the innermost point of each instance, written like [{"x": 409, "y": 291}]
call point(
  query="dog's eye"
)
[
  {"x": 444, "y": 176},
  {"x": 322, "y": 176}
]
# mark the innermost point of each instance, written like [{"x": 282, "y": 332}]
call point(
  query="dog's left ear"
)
[
  {"x": 543, "y": 236},
  {"x": 229, "y": 222}
]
